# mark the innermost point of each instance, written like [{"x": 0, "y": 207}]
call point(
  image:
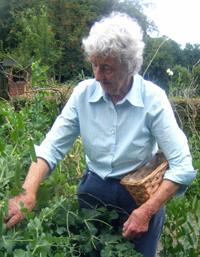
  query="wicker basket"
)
[{"x": 143, "y": 182}]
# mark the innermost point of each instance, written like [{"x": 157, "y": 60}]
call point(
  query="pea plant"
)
[
  {"x": 60, "y": 230},
  {"x": 56, "y": 227},
  {"x": 181, "y": 235}
]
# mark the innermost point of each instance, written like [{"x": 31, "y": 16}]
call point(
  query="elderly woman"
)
[{"x": 121, "y": 119}]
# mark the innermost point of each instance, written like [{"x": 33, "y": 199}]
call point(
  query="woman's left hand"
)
[{"x": 137, "y": 224}]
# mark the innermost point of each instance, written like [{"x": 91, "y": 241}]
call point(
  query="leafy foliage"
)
[
  {"x": 56, "y": 227},
  {"x": 162, "y": 54},
  {"x": 53, "y": 31},
  {"x": 60, "y": 230},
  {"x": 182, "y": 228},
  {"x": 35, "y": 38},
  {"x": 180, "y": 81}
]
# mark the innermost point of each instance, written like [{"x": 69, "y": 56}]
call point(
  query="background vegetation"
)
[
  {"x": 52, "y": 30},
  {"x": 44, "y": 39}
]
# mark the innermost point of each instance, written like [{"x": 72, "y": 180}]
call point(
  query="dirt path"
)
[{"x": 158, "y": 249}]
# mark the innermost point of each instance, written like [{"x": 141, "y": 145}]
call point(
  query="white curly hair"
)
[{"x": 119, "y": 36}]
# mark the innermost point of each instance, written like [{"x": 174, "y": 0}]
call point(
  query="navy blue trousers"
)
[{"x": 110, "y": 192}]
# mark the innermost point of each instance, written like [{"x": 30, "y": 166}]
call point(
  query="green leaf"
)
[
  {"x": 2, "y": 146},
  {"x": 88, "y": 214},
  {"x": 193, "y": 253},
  {"x": 6, "y": 202},
  {"x": 21, "y": 253},
  {"x": 109, "y": 238},
  {"x": 35, "y": 225},
  {"x": 14, "y": 136},
  {"x": 190, "y": 240},
  {"x": 113, "y": 215},
  {"x": 30, "y": 215},
  {"x": 32, "y": 151},
  {"x": 18, "y": 173},
  {"x": 21, "y": 204},
  {"x": 25, "y": 210},
  {"x": 181, "y": 221},
  {"x": 43, "y": 197},
  {"x": 59, "y": 255},
  {"x": 87, "y": 247},
  {"x": 15, "y": 190},
  {"x": 61, "y": 230},
  {"x": 190, "y": 219},
  {"x": 196, "y": 206},
  {"x": 41, "y": 244},
  {"x": 93, "y": 231},
  {"x": 81, "y": 239},
  {"x": 107, "y": 251},
  {"x": 1, "y": 221}
]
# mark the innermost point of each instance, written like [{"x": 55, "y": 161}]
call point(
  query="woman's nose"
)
[{"x": 99, "y": 74}]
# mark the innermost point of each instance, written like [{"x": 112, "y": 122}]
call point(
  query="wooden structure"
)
[{"x": 8, "y": 86}]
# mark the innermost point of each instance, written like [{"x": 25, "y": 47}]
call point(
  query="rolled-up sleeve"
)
[
  {"x": 61, "y": 137},
  {"x": 173, "y": 143}
]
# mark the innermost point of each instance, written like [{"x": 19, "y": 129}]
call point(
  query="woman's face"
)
[{"x": 113, "y": 78}]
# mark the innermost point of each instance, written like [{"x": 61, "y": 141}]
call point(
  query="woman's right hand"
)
[{"x": 14, "y": 209}]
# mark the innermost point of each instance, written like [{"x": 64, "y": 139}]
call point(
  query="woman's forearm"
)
[
  {"x": 164, "y": 193},
  {"x": 36, "y": 174}
]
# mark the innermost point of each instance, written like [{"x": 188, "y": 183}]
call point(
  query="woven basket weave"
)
[{"x": 143, "y": 182}]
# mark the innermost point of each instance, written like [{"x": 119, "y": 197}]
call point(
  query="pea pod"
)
[
  {"x": 17, "y": 174},
  {"x": 6, "y": 202},
  {"x": 1, "y": 221},
  {"x": 32, "y": 151}
]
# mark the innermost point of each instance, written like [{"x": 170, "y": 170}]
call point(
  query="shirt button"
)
[
  {"x": 110, "y": 152},
  {"x": 112, "y": 131}
]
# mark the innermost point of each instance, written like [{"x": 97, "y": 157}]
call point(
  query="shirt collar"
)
[
  {"x": 98, "y": 93},
  {"x": 134, "y": 96}
]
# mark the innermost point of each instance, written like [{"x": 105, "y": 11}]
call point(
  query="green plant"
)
[
  {"x": 56, "y": 227},
  {"x": 1, "y": 51},
  {"x": 181, "y": 235},
  {"x": 35, "y": 38},
  {"x": 60, "y": 230},
  {"x": 194, "y": 187}
]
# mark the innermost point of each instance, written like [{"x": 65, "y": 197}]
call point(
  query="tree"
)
[
  {"x": 4, "y": 20},
  {"x": 56, "y": 35},
  {"x": 7, "y": 8},
  {"x": 135, "y": 9},
  {"x": 192, "y": 54},
  {"x": 35, "y": 38},
  {"x": 196, "y": 77},
  {"x": 73, "y": 21},
  {"x": 158, "y": 53},
  {"x": 70, "y": 23},
  {"x": 52, "y": 30},
  {"x": 179, "y": 57}
]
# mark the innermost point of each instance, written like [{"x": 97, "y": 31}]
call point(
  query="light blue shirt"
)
[{"x": 118, "y": 139}]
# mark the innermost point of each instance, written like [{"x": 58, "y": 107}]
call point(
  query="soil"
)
[{"x": 158, "y": 249}]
